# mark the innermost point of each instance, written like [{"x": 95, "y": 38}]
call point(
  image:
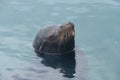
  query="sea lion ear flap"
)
[{"x": 53, "y": 35}]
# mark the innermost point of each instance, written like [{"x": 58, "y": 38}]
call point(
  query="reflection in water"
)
[{"x": 66, "y": 63}]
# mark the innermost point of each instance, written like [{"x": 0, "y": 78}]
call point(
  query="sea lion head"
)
[
  {"x": 56, "y": 39},
  {"x": 62, "y": 33}
]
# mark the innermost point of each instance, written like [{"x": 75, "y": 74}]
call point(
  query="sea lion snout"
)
[{"x": 68, "y": 30}]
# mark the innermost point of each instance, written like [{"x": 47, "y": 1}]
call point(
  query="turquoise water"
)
[{"x": 97, "y": 36}]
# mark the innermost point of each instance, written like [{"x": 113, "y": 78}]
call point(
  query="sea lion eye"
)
[{"x": 67, "y": 33}]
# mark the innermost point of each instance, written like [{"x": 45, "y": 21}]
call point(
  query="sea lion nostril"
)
[{"x": 71, "y": 24}]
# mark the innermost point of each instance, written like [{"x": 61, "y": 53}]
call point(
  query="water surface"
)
[{"x": 97, "y": 36}]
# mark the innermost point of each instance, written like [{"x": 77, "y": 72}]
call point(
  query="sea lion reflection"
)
[{"x": 66, "y": 63}]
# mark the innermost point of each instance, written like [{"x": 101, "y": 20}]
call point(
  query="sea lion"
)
[
  {"x": 56, "y": 45},
  {"x": 55, "y": 39}
]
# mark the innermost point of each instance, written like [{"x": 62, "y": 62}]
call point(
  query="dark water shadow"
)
[{"x": 65, "y": 62}]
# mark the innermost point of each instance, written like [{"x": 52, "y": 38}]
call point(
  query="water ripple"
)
[{"x": 110, "y": 2}]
